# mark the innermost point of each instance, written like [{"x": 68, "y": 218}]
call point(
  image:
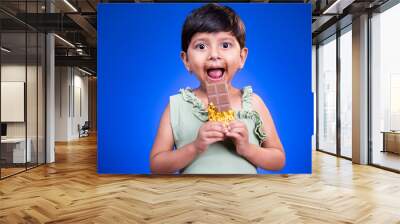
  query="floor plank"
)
[{"x": 70, "y": 191}]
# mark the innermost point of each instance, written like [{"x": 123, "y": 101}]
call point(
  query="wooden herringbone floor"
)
[{"x": 70, "y": 191}]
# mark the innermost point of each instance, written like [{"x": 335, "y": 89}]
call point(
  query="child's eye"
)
[
  {"x": 200, "y": 46},
  {"x": 226, "y": 45}
]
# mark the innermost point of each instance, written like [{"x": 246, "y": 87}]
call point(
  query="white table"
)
[{"x": 19, "y": 155}]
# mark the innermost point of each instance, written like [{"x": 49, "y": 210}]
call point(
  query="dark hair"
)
[{"x": 212, "y": 18}]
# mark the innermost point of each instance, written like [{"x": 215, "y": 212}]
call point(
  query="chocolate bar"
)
[
  {"x": 218, "y": 95},
  {"x": 219, "y": 106}
]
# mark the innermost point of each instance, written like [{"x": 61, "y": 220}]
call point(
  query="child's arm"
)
[
  {"x": 270, "y": 155},
  {"x": 163, "y": 159}
]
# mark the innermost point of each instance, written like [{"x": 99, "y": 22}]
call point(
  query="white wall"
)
[
  {"x": 13, "y": 72},
  {"x": 62, "y": 81},
  {"x": 12, "y": 101},
  {"x": 70, "y": 83},
  {"x": 79, "y": 117}
]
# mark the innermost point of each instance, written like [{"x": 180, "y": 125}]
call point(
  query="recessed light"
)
[
  {"x": 70, "y": 5},
  {"x": 64, "y": 40},
  {"x": 84, "y": 71},
  {"x": 5, "y": 50}
]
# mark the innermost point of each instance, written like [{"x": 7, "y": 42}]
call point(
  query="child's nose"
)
[{"x": 214, "y": 54}]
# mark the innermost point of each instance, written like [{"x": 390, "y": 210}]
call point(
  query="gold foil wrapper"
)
[{"x": 221, "y": 116}]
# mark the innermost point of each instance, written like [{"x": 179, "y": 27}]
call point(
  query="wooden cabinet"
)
[{"x": 391, "y": 142}]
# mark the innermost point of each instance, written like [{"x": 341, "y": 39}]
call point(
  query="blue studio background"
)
[{"x": 139, "y": 68}]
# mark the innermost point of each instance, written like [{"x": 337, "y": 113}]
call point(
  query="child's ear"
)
[
  {"x": 185, "y": 61},
  {"x": 243, "y": 56}
]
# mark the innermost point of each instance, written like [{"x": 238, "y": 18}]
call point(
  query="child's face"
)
[{"x": 214, "y": 56}]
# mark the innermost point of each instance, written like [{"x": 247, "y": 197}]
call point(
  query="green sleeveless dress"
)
[{"x": 187, "y": 114}]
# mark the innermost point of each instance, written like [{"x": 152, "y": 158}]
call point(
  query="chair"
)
[{"x": 84, "y": 130}]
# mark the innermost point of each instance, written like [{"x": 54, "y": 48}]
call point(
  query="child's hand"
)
[
  {"x": 209, "y": 133},
  {"x": 237, "y": 130}
]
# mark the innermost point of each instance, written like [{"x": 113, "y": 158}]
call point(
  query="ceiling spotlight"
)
[
  {"x": 64, "y": 40},
  {"x": 84, "y": 71},
  {"x": 5, "y": 50},
  {"x": 338, "y": 6},
  {"x": 70, "y": 5}
]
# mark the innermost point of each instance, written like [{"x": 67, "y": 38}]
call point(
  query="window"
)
[
  {"x": 346, "y": 92},
  {"x": 327, "y": 95},
  {"x": 385, "y": 88}
]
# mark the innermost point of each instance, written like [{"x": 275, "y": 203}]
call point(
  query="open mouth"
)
[{"x": 215, "y": 74}]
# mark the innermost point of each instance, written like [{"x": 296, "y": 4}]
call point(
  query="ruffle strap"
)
[
  {"x": 246, "y": 98},
  {"x": 198, "y": 108},
  {"x": 258, "y": 124}
]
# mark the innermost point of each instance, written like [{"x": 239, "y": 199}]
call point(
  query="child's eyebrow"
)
[
  {"x": 200, "y": 39},
  {"x": 226, "y": 38}
]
